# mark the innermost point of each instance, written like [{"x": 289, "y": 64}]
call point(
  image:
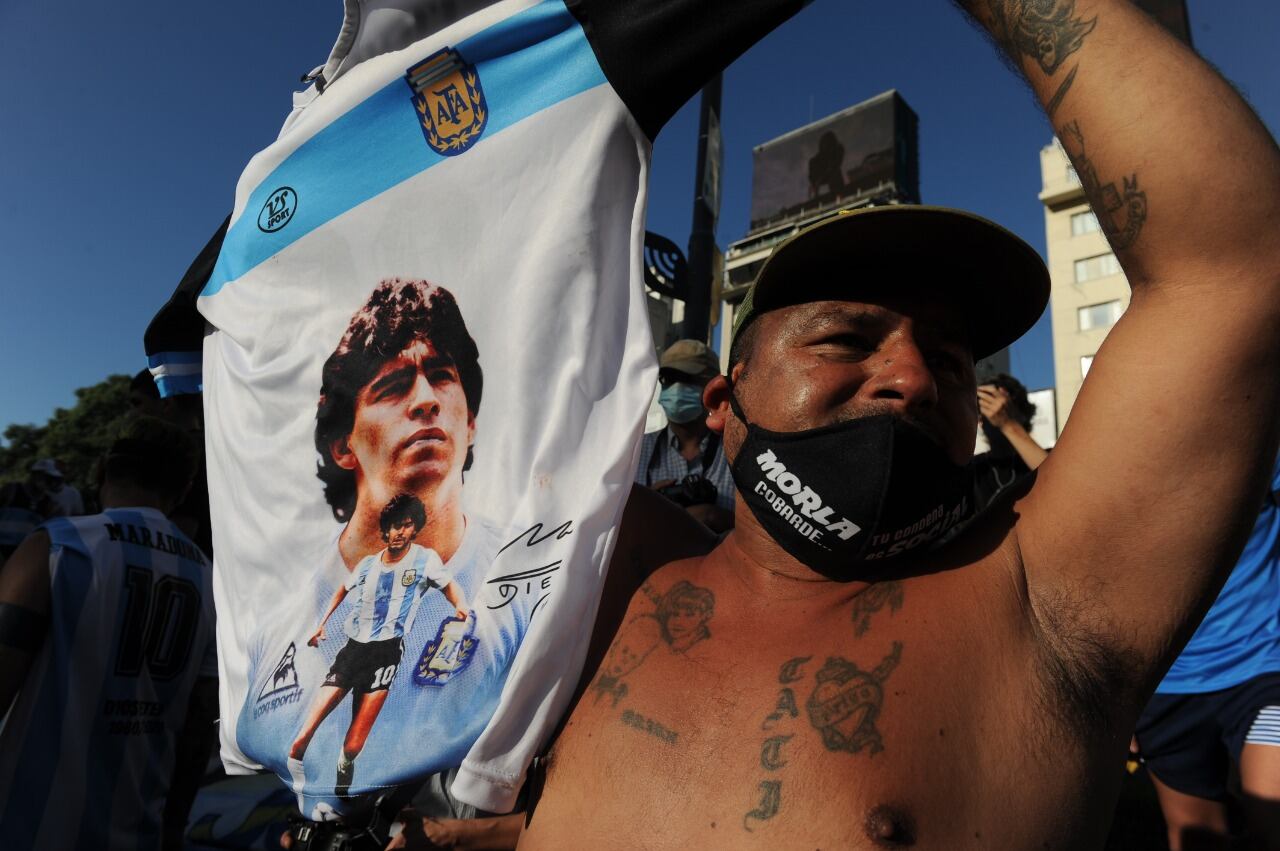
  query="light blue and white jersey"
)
[
  {"x": 497, "y": 150},
  {"x": 440, "y": 701},
  {"x": 387, "y": 595},
  {"x": 87, "y": 752}
]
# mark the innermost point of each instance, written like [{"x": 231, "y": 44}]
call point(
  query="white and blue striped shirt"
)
[
  {"x": 87, "y": 752},
  {"x": 388, "y": 594}
]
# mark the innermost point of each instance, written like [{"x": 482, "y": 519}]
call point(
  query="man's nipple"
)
[{"x": 890, "y": 827}]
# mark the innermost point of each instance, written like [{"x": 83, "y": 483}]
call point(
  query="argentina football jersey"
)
[
  {"x": 389, "y": 594},
  {"x": 89, "y": 747},
  {"x": 429, "y": 290}
]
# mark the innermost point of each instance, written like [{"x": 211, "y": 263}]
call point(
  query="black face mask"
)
[{"x": 842, "y": 495}]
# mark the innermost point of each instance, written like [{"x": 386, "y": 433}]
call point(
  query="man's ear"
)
[
  {"x": 340, "y": 451},
  {"x": 715, "y": 398}
]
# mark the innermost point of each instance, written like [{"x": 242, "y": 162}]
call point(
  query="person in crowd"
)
[
  {"x": 684, "y": 460},
  {"x": 853, "y": 685},
  {"x": 107, "y": 663},
  {"x": 46, "y": 480},
  {"x": 184, "y": 411},
  {"x": 1006, "y": 414},
  {"x": 18, "y": 517},
  {"x": 1219, "y": 705}
]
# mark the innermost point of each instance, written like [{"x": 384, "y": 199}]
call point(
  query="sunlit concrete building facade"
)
[{"x": 1089, "y": 290}]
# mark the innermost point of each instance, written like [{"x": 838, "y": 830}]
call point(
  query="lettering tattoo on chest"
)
[
  {"x": 679, "y": 622},
  {"x": 648, "y": 725},
  {"x": 1121, "y": 211},
  {"x": 871, "y": 600},
  {"x": 772, "y": 754}
]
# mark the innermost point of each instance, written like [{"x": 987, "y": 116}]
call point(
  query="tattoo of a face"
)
[
  {"x": 872, "y": 599},
  {"x": 1121, "y": 211},
  {"x": 770, "y": 800},
  {"x": 1047, "y": 31},
  {"x": 680, "y": 622},
  {"x": 847, "y": 700}
]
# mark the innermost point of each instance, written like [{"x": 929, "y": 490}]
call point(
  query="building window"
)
[
  {"x": 1091, "y": 268},
  {"x": 1082, "y": 223},
  {"x": 1098, "y": 315},
  {"x": 1085, "y": 363}
]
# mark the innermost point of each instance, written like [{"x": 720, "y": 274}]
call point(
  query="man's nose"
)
[
  {"x": 422, "y": 397},
  {"x": 903, "y": 378}
]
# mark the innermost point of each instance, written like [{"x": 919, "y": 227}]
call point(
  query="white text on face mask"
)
[{"x": 803, "y": 497}]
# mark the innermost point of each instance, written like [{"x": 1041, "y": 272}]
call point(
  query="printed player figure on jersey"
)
[{"x": 389, "y": 586}]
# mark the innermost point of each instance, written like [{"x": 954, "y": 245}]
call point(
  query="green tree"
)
[{"x": 76, "y": 437}]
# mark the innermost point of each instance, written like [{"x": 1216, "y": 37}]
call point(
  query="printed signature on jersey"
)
[{"x": 535, "y": 579}]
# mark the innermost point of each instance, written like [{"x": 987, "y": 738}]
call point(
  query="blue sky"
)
[{"x": 125, "y": 126}]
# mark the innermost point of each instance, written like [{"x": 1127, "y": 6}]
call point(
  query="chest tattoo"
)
[{"x": 847, "y": 700}]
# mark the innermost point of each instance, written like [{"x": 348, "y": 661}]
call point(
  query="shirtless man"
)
[{"x": 980, "y": 695}]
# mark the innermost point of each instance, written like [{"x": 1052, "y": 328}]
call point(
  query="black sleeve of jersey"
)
[
  {"x": 658, "y": 53},
  {"x": 178, "y": 326}
]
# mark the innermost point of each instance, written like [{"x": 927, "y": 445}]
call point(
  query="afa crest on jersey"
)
[
  {"x": 449, "y": 653},
  {"x": 449, "y": 100},
  {"x": 409, "y": 577}
]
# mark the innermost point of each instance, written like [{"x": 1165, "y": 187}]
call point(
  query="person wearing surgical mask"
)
[{"x": 684, "y": 460}]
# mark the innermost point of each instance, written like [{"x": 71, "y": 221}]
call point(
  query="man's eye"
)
[
  {"x": 392, "y": 389},
  {"x": 855, "y": 342},
  {"x": 442, "y": 376},
  {"x": 945, "y": 363}
]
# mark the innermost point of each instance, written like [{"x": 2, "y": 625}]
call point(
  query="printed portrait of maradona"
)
[{"x": 396, "y": 616}]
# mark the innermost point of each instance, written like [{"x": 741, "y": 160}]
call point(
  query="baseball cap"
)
[
  {"x": 47, "y": 466},
  {"x": 1000, "y": 281},
  {"x": 691, "y": 357}
]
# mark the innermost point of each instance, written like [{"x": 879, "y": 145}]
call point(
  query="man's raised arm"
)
[{"x": 1145, "y": 502}]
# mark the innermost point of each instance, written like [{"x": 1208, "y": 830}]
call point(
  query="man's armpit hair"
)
[{"x": 1086, "y": 670}]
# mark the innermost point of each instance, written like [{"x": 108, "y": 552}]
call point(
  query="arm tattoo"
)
[
  {"x": 1121, "y": 212},
  {"x": 1048, "y": 31},
  {"x": 1061, "y": 93}
]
